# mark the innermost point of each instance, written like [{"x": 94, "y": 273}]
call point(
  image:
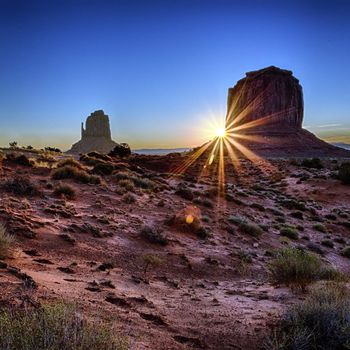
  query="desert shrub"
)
[
  {"x": 236, "y": 219},
  {"x": 251, "y": 229},
  {"x": 6, "y": 241},
  {"x": 184, "y": 192},
  {"x": 142, "y": 183},
  {"x": 121, "y": 150},
  {"x": 24, "y": 160},
  {"x": 151, "y": 260},
  {"x": 21, "y": 186},
  {"x": 72, "y": 172},
  {"x": 133, "y": 180},
  {"x": 293, "y": 161},
  {"x": 103, "y": 169},
  {"x": 127, "y": 184},
  {"x": 55, "y": 327},
  {"x": 66, "y": 191},
  {"x": 202, "y": 232},
  {"x": 314, "y": 247},
  {"x": 153, "y": 235},
  {"x": 346, "y": 252},
  {"x": 258, "y": 206},
  {"x": 70, "y": 162},
  {"x": 46, "y": 158},
  {"x": 320, "y": 228},
  {"x": 21, "y": 159},
  {"x": 122, "y": 175},
  {"x": 100, "y": 156},
  {"x": 52, "y": 149},
  {"x": 314, "y": 163},
  {"x": 293, "y": 205},
  {"x": 322, "y": 321},
  {"x": 203, "y": 201},
  {"x": 295, "y": 267},
  {"x": 289, "y": 232},
  {"x": 129, "y": 198},
  {"x": 327, "y": 243},
  {"x": 344, "y": 173},
  {"x": 297, "y": 215}
]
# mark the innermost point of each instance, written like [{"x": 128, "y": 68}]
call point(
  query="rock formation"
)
[
  {"x": 266, "y": 108},
  {"x": 96, "y": 136},
  {"x": 269, "y": 100}
]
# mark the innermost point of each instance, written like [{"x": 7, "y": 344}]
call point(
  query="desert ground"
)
[{"x": 174, "y": 254}]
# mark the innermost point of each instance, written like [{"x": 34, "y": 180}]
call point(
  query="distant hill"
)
[
  {"x": 342, "y": 145},
  {"x": 160, "y": 151}
]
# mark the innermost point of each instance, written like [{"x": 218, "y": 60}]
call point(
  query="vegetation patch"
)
[
  {"x": 289, "y": 232},
  {"x": 322, "y": 321},
  {"x": 21, "y": 186},
  {"x": 103, "y": 168},
  {"x": 55, "y": 327},
  {"x": 6, "y": 242},
  {"x": 296, "y": 267},
  {"x": 66, "y": 191},
  {"x": 314, "y": 163},
  {"x": 344, "y": 173},
  {"x": 153, "y": 235},
  {"x": 251, "y": 229},
  {"x": 72, "y": 172},
  {"x": 320, "y": 228},
  {"x": 71, "y": 162}
]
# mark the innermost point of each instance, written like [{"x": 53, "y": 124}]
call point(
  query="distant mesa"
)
[
  {"x": 267, "y": 109},
  {"x": 269, "y": 100},
  {"x": 96, "y": 136}
]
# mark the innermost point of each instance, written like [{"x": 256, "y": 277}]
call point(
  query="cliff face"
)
[
  {"x": 97, "y": 125},
  {"x": 267, "y": 107},
  {"x": 269, "y": 100}
]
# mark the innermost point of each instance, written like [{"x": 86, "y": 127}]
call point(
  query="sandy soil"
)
[{"x": 202, "y": 295}]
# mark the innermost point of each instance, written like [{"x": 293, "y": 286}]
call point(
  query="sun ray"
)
[
  {"x": 182, "y": 167},
  {"x": 253, "y": 157}
]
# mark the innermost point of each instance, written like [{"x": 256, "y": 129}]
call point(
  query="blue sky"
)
[{"x": 161, "y": 69}]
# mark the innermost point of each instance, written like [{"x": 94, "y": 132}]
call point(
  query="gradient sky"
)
[{"x": 161, "y": 69}]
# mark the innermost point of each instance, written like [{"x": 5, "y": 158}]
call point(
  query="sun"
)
[{"x": 220, "y": 132}]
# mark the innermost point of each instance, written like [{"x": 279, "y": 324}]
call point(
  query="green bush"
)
[
  {"x": 346, "y": 252},
  {"x": 251, "y": 229},
  {"x": 320, "y": 228},
  {"x": 344, "y": 173},
  {"x": 322, "y": 321},
  {"x": 289, "y": 232},
  {"x": 6, "y": 241},
  {"x": 55, "y": 327},
  {"x": 72, "y": 172},
  {"x": 295, "y": 267},
  {"x": 327, "y": 243}
]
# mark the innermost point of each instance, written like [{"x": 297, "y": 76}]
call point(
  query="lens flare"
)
[{"x": 220, "y": 132}]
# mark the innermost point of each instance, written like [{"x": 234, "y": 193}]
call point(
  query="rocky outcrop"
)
[
  {"x": 265, "y": 114},
  {"x": 269, "y": 100},
  {"x": 96, "y": 136}
]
